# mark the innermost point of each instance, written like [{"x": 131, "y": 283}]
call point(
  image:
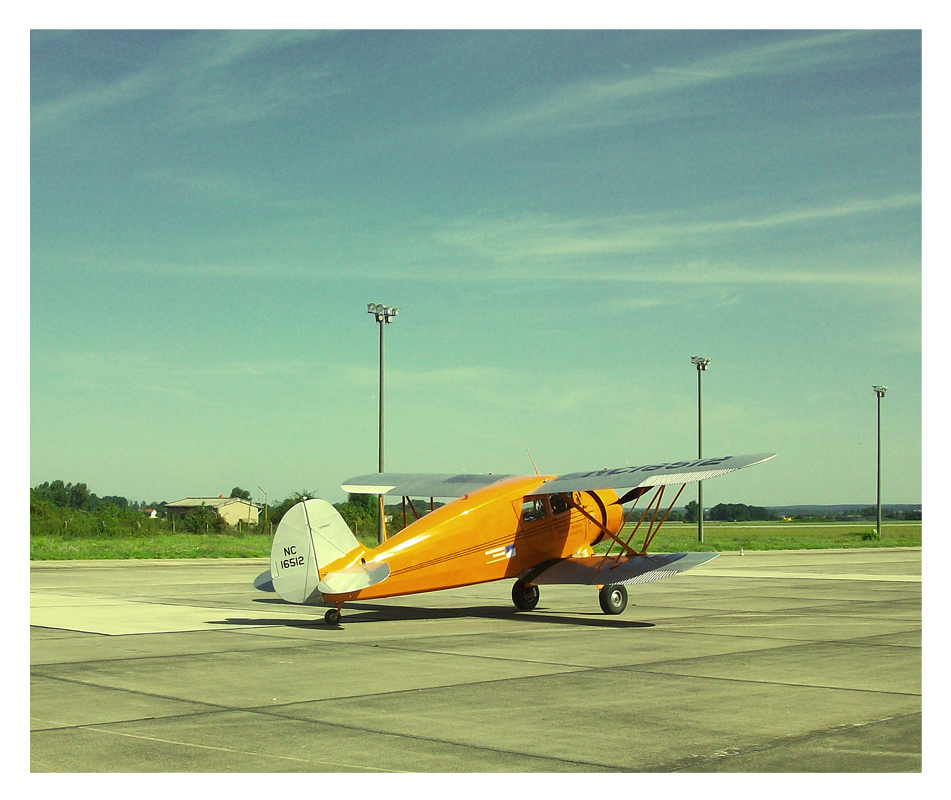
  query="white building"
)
[{"x": 231, "y": 509}]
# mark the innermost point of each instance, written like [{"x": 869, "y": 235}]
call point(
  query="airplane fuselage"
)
[{"x": 497, "y": 532}]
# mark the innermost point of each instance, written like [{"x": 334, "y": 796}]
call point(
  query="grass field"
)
[
  {"x": 181, "y": 545},
  {"x": 673, "y": 537},
  {"x": 723, "y": 536}
]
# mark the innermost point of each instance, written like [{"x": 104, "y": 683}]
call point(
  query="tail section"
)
[{"x": 311, "y": 534}]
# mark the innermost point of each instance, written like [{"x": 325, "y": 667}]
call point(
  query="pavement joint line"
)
[
  {"x": 104, "y": 730},
  {"x": 791, "y": 644},
  {"x": 274, "y": 711},
  {"x": 785, "y": 741},
  {"x": 766, "y": 573},
  {"x": 851, "y": 618},
  {"x": 214, "y": 707},
  {"x": 137, "y": 693},
  {"x": 437, "y": 740},
  {"x": 772, "y": 616},
  {"x": 761, "y": 682},
  {"x": 38, "y": 669}
]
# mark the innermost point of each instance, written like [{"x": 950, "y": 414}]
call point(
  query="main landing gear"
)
[
  {"x": 613, "y": 598},
  {"x": 524, "y": 595}
]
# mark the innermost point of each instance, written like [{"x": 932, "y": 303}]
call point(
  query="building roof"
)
[{"x": 210, "y": 502}]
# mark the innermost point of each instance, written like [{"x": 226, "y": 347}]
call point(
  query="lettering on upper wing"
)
[{"x": 701, "y": 462}]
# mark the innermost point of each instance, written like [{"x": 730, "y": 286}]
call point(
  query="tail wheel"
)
[
  {"x": 332, "y": 617},
  {"x": 525, "y": 596},
  {"x": 613, "y": 598}
]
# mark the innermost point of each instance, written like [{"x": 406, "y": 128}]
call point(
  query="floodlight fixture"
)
[
  {"x": 880, "y": 390},
  {"x": 381, "y": 312},
  {"x": 700, "y": 362}
]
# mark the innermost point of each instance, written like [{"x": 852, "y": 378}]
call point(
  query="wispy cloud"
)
[
  {"x": 60, "y": 112},
  {"x": 202, "y": 80},
  {"x": 530, "y": 240},
  {"x": 218, "y": 88},
  {"x": 659, "y": 91}
]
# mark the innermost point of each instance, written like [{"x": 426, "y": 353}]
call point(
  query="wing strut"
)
[
  {"x": 411, "y": 507},
  {"x": 653, "y": 527},
  {"x": 654, "y": 505},
  {"x": 625, "y": 546},
  {"x": 407, "y": 499}
]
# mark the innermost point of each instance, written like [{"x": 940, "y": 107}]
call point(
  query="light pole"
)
[
  {"x": 879, "y": 393},
  {"x": 384, "y": 315},
  {"x": 701, "y": 364}
]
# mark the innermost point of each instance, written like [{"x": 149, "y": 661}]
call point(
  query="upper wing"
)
[
  {"x": 417, "y": 484},
  {"x": 699, "y": 469}
]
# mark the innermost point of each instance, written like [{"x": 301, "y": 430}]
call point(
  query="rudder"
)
[{"x": 310, "y": 534}]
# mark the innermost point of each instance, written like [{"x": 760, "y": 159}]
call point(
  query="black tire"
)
[
  {"x": 332, "y": 617},
  {"x": 613, "y": 598},
  {"x": 525, "y": 596}
]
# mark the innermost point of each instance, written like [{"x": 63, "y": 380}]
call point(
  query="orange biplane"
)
[{"x": 539, "y": 530}]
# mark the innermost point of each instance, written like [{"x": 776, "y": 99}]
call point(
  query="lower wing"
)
[{"x": 604, "y": 570}]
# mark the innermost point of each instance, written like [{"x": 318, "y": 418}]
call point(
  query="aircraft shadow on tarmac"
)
[{"x": 370, "y": 612}]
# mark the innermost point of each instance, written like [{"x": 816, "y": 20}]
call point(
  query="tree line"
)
[
  {"x": 78, "y": 497},
  {"x": 71, "y": 509},
  {"x": 740, "y": 512}
]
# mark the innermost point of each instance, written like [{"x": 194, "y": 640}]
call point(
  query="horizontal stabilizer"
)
[
  {"x": 419, "y": 484},
  {"x": 264, "y": 582},
  {"x": 601, "y": 570},
  {"x": 353, "y": 579}
]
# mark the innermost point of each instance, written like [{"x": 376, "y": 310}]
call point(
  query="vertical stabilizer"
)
[{"x": 310, "y": 534}]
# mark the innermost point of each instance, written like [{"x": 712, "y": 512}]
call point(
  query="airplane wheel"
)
[
  {"x": 332, "y": 617},
  {"x": 613, "y": 598},
  {"x": 524, "y": 596}
]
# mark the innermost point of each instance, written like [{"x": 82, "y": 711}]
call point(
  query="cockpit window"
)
[
  {"x": 533, "y": 510},
  {"x": 558, "y": 504}
]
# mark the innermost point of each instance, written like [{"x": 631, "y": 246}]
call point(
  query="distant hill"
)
[{"x": 835, "y": 510}]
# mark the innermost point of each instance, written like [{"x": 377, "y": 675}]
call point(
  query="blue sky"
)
[{"x": 564, "y": 217}]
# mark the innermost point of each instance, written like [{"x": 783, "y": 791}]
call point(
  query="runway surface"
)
[{"x": 801, "y": 661}]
